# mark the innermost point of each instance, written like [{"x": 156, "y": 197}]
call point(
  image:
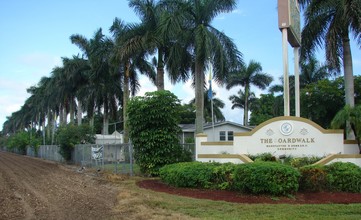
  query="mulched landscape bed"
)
[{"x": 236, "y": 197}]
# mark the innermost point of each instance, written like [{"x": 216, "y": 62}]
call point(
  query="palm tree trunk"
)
[
  {"x": 125, "y": 102},
  {"x": 79, "y": 113},
  {"x": 199, "y": 96},
  {"x": 105, "y": 117},
  {"x": 50, "y": 120},
  {"x": 61, "y": 114},
  {"x": 71, "y": 112},
  {"x": 105, "y": 124},
  {"x": 348, "y": 71},
  {"x": 349, "y": 80},
  {"x": 246, "y": 94},
  {"x": 160, "y": 71}
]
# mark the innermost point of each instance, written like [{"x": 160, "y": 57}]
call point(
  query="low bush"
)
[
  {"x": 313, "y": 178},
  {"x": 262, "y": 157},
  {"x": 222, "y": 176},
  {"x": 199, "y": 175},
  {"x": 298, "y": 162},
  {"x": 188, "y": 174},
  {"x": 344, "y": 177},
  {"x": 266, "y": 178}
]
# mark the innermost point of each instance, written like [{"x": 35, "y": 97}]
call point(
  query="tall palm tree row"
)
[{"x": 107, "y": 71}]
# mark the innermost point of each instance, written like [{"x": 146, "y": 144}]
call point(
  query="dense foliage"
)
[
  {"x": 266, "y": 178},
  {"x": 18, "y": 142},
  {"x": 255, "y": 178},
  {"x": 345, "y": 177},
  {"x": 70, "y": 135},
  {"x": 313, "y": 178},
  {"x": 153, "y": 124}
]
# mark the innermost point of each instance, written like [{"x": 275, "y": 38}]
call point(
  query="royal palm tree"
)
[
  {"x": 246, "y": 76},
  {"x": 218, "y": 104},
  {"x": 312, "y": 71},
  {"x": 190, "y": 23},
  {"x": 104, "y": 85},
  {"x": 130, "y": 58},
  {"x": 328, "y": 24},
  {"x": 170, "y": 54},
  {"x": 239, "y": 100}
]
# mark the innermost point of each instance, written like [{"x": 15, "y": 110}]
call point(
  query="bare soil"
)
[
  {"x": 236, "y": 197},
  {"x": 37, "y": 189}
]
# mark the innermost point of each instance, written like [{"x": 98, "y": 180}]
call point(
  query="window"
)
[
  {"x": 222, "y": 136},
  {"x": 230, "y": 135},
  {"x": 226, "y": 136}
]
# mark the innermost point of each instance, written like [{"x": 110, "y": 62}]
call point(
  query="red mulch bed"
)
[{"x": 230, "y": 196}]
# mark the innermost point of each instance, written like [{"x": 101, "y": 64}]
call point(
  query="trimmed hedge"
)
[
  {"x": 188, "y": 174},
  {"x": 198, "y": 175},
  {"x": 345, "y": 177},
  {"x": 266, "y": 178}
]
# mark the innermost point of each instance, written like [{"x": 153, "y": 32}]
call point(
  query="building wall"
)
[{"x": 215, "y": 136}]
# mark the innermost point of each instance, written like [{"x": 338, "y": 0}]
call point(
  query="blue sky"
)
[{"x": 34, "y": 35}]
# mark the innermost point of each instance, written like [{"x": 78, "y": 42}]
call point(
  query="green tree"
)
[
  {"x": 322, "y": 100},
  {"x": 153, "y": 122},
  {"x": 218, "y": 104},
  {"x": 187, "y": 114},
  {"x": 239, "y": 100},
  {"x": 103, "y": 88},
  {"x": 130, "y": 59},
  {"x": 190, "y": 23},
  {"x": 265, "y": 107},
  {"x": 19, "y": 141},
  {"x": 70, "y": 135},
  {"x": 246, "y": 76},
  {"x": 312, "y": 71},
  {"x": 351, "y": 115},
  {"x": 329, "y": 23}
]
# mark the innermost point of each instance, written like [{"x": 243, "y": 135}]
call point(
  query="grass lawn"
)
[{"x": 140, "y": 203}]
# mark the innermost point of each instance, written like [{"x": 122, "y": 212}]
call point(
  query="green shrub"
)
[
  {"x": 344, "y": 177},
  {"x": 153, "y": 128},
  {"x": 188, "y": 174},
  {"x": 222, "y": 176},
  {"x": 313, "y": 178},
  {"x": 19, "y": 141},
  {"x": 266, "y": 178},
  {"x": 262, "y": 157},
  {"x": 70, "y": 135},
  {"x": 298, "y": 162}
]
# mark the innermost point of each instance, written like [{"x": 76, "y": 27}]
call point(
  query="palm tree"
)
[
  {"x": 329, "y": 23},
  {"x": 238, "y": 101},
  {"x": 190, "y": 23},
  {"x": 246, "y": 76},
  {"x": 103, "y": 89},
  {"x": 129, "y": 58},
  {"x": 312, "y": 71},
  {"x": 351, "y": 115},
  {"x": 218, "y": 104}
]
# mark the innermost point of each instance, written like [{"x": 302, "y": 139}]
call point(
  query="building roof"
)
[{"x": 191, "y": 127}]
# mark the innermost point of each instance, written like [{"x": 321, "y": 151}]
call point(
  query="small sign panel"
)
[{"x": 289, "y": 17}]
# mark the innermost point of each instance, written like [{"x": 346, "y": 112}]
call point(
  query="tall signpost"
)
[{"x": 290, "y": 26}]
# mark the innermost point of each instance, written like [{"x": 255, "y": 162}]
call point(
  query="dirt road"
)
[{"x": 37, "y": 189}]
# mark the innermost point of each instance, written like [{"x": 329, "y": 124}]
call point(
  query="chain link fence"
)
[
  {"x": 46, "y": 152},
  {"x": 117, "y": 158}
]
